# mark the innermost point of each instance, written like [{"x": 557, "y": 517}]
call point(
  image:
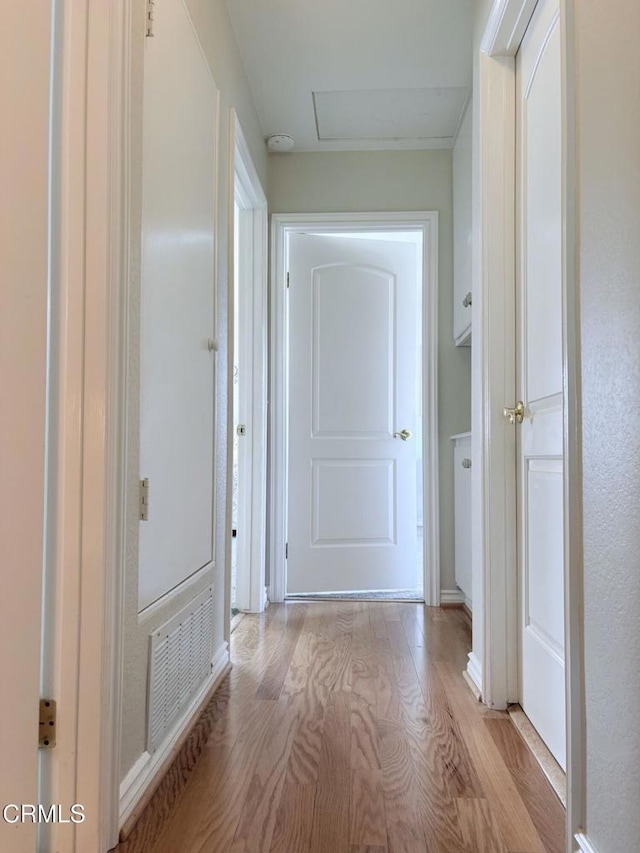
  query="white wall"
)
[
  {"x": 212, "y": 23},
  {"x": 608, "y": 174},
  {"x": 340, "y": 182},
  {"x": 462, "y": 223}
]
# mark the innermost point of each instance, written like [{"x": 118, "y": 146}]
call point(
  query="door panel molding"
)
[
  {"x": 283, "y": 225},
  {"x": 493, "y": 359}
]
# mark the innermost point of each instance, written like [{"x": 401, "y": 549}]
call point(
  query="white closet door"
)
[{"x": 177, "y": 305}]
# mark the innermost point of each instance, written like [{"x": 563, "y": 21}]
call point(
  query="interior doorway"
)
[
  {"x": 505, "y": 137},
  {"x": 355, "y": 422},
  {"x": 248, "y": 380}
]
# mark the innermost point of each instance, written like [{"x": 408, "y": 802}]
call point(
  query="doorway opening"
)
[
  {"x": 248, "y": 380},
  {"x": 354, "y": 421}
]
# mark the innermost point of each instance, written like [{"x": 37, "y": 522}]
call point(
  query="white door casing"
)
[
  {"x": 177, "y": 305},
  {"x": 352, "y": 385},
  {"x": 284, "y": 226},
  {"x": 248, "y": 261},
  {"x": 540, "y": 377},
  {"x": 25, "y": 40}
]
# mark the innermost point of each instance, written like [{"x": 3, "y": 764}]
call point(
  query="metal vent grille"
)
[{"x": 179, "y": 662}]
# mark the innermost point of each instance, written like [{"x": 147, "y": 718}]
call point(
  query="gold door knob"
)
[
  {"x": 515, "y": 415},
  {"x": 404, "y": 434}
]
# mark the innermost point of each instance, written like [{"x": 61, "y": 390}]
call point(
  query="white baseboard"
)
[
  {"x": 148, "y": 768},
  {"x": 474, "y": 671},
  {"x": 584, "y": 844},
  {"x": 265, "y": 599},
  {"x": 452, "y": 596}
]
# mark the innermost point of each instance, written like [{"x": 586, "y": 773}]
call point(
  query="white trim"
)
[
  {"x": 282, "y": 226},
  {"x": 206, "y": 573},
  {"x": 506, "y": 26},
  {"x": 474, "y": 670},
  {"x": 149, "y": 769},
  {"x": 245, "y": 183},
  {"x": 571, "y": 354},
  {"x": 452, "y": 596},
  {"x": 584, "y": 843},
  {"x": 494, "y": 346},
  {"x": 90, "y": 440},
  {"x": 134, "y": 784}
]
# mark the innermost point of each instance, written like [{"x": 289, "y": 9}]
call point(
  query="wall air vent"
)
[{"x": 180, "y": 654}]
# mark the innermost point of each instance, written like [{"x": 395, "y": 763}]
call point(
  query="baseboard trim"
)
[
  {"x": 472, "y": 686},
  {"x": 585, "y": 845},
  {"x": 452, "y": 598},
  {"x": 147, "y": 774},
  {"x": 474, "y": 672}
]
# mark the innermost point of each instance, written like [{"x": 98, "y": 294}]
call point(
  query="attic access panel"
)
[{"x": 390, "y": 114}]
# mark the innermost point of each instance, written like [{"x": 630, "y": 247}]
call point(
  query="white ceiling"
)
[{"x": 357, "y": 74}]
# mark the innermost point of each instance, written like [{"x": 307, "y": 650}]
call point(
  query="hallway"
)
[{"x": 345, "y": 727}]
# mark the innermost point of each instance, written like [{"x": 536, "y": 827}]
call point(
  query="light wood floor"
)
[{"x": 346, "y": 727}]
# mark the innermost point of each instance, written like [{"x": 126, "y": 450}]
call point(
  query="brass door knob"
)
[
  {"x": 404, "y": 434},
  {"x": 515, "y": 415}
]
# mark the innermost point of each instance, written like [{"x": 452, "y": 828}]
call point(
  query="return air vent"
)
[{"x": 179, "y": 662}]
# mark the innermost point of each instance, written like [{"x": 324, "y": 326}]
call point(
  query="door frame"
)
[
  {"x": 494, "y": 358},
  {"x": 87, "y": 427},
  {"x": 244, "y": 181},
  {"x": 283, "y": 225}
]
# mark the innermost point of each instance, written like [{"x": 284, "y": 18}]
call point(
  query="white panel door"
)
[
  {"x": 177, "y": 305},
  {"x": 352, "y": 385},
  {"x": 540, "y": 378}
]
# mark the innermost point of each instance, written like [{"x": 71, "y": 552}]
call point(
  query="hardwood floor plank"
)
[
  {"x": 368, "y": 823},
  {"x": 294, "y": 820},
  {"x": 452, "y": 757},
  {"x": 273, "y": 679},
  {"x": 255, "y": 829},
  {"x": 304, "y": 757},
  {"x": 220, "y": 789},
  {"x": 365, "y": 751},
  {"x": 545, "y": 808},
  {"x": 515, "y": 823},
  {"x": 479, "y": 828},
  {"x": 405, "y": 832},
  {"x": 331, "y": 816}
]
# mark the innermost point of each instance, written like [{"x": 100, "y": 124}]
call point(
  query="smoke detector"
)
[{"x": 279, "y": 143}]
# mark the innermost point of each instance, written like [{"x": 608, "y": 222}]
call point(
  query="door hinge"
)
[
  {"x": 150, "y": 18},
  {"x": 288, "y": 280},
  {"x": 286, "y": 551},
  {"x": 144, "y": 499},
  {"x": 47, "y": 724}
]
